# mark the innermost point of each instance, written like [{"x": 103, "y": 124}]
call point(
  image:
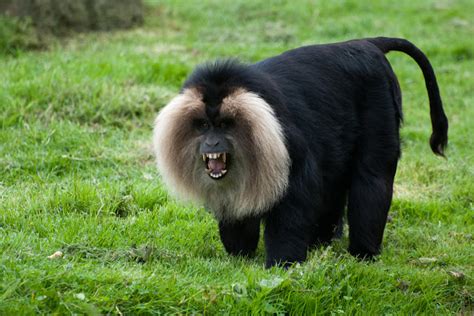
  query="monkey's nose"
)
[{"x": 212, "y": 143}]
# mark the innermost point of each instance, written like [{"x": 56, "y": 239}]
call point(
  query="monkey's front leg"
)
[
  {"x": 287, "y": 237},
  {"x": 240, "y": 237}
]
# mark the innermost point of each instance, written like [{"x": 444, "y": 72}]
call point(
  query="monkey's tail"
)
[{"x": 439, "y": 121}]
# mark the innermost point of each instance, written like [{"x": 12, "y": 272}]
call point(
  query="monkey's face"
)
[
  {"x": 215, "y": 145},
  {"x": 230, "y": 156}
]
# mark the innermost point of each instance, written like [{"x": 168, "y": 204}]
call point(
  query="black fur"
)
[
  {"x": 248, "y": 232},
  {"x": 340, "y": 107}
]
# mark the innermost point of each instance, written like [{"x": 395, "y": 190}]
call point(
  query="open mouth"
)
[{"x": 215, "y": 164}]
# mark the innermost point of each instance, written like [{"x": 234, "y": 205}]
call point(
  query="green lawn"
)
[{"x": 77, "y": 173}]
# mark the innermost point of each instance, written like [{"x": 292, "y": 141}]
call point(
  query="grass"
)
[{"x": 77, "y": 174}]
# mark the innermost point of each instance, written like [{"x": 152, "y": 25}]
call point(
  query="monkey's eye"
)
[
  {"x": 201, "y": 124},
  {"x": 225, "y": 123}
]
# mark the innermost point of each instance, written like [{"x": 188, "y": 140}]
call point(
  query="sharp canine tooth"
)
[
  {"x": 216, "y": 156},
  {"x": 203, "y": 157},
  {"x": 224, "y": 171}
]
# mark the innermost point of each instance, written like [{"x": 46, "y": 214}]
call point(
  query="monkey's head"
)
[{"x": 222, "y": 145}]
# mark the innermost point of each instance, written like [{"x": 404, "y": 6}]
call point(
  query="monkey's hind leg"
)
[
  {"x": 369, "y": 202},
  {"x": 371, "y": 188},
  {"x": 330, "y": 225}
]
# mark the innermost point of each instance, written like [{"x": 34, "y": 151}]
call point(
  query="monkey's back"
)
[{"x": 325, "y": 88}]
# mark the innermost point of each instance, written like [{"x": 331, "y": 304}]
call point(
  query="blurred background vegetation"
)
[{"x": 30, "y": 24}]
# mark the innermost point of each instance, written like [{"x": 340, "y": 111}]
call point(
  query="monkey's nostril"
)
[{"x": 212, "y": 143}]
